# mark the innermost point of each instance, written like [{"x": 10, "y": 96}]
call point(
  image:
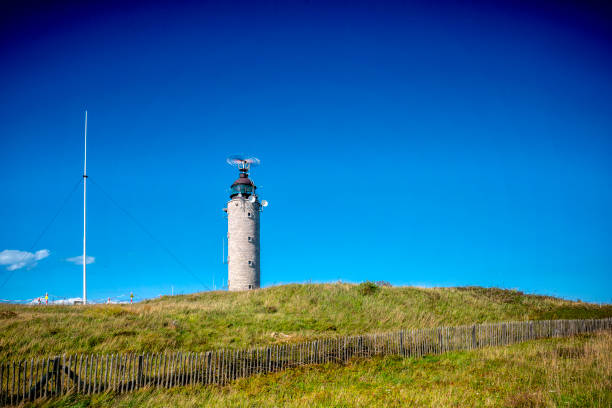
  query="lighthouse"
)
[{"x": 243, "y": 241}]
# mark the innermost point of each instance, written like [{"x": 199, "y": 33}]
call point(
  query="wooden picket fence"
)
[{"x": 119, "y": 373}]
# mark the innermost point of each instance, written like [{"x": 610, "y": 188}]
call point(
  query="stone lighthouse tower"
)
[{"x": 243, "y": 210}]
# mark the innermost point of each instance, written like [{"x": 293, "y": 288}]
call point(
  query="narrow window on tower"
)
[
  {"x": 251, "y": 263},
  {"x": 249, "y": 215},
  {"x": 250, "y": 286},
  {"x": 250, "y": 239}
]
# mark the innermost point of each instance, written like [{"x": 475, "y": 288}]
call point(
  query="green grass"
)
[
  {"x": 570, "y": 372},
  {"x": 289, "y": 313}
]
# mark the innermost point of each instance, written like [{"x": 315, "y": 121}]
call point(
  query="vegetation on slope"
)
[
  {"x": 570, "y": 372},
  {"x": 210, "y": 320}
]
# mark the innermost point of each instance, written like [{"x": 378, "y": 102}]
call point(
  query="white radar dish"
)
[
  {"x": 264, "y": 203},
  {"x": 252, "y": 198}
]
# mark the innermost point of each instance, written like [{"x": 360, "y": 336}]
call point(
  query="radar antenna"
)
[{"x": 243, "y": 163}]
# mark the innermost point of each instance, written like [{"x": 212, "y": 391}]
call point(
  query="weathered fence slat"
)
[
  {"x": 44, "y": 371},
  {"x": 173, "y": 371},
  {"x": 119, "y": 372},
  {"x": 151, "y": 370},
  {"x": 177, "y": 369},
  {"x": 95, "y": 387},
  {"x": 133, "y": 368},
  {"x": 104, "y": 373},
  {"x": 2, "y": 393},
  {"x": 171, "y": 367},
  {"x": 23, "y": 383},
  {"x": 123, "y": 375},
  {"x": 159, "y": 381},
  {"x": 116, "y": 371},
  {"x": 152, "y": 376},
  {"x": 126, "y": 372},
  {"x": 15, "y": 375},
  {"x": 162, "y": 367},
  {"x": 39, "y": 373},
  {"x": 209, "y": 356}
]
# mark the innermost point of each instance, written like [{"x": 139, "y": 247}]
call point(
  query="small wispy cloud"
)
[
  {"x": 78, "y": 260},
  {"x": 14, "y": 259}
]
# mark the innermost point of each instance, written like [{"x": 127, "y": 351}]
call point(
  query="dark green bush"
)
[{"x": 368, "y": 288}]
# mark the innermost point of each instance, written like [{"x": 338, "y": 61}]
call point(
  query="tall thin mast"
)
[{"x": 85, "y": 216}]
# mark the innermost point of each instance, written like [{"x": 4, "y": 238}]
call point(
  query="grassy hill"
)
[
  {"x": 568, "y": 372},
  {"x": 288, "y": 313}
]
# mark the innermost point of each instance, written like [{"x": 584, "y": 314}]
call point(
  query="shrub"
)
[
  {"x": 368, "y": 288},
  {"x": 7, "y": 314},
  {"x": 271, "y": 309}
]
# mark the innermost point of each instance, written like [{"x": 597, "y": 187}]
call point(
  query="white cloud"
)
[
  {"x": 78, "y": 260},
  {"x": 14, "y": 259}
]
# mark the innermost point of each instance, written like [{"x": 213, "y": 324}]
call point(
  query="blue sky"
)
[{"x": 416, "y": 143}]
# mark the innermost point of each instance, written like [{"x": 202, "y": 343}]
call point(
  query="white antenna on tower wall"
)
[{"x": 85, "y": 217}]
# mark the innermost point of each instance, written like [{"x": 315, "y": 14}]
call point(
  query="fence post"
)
[
  {"x": 1, "y": 384},
  {"x": 125, "y": 373},
  {"x": 18, "y": 389},
  {"x": 117, "y": 373},
  {"x": 109, "y": 368},
  {"x": 194, "y": 369},
  {"x": 105, "y": 377},
  {"x": 151, "y": 370},
  {"x": 58, "y": 375},
  {"x": 184, "y": 365},
  {"x": 223, "y": 367},
  {"x": 164, "y": 376},
  {"x": 174, "y": 369},
  {"x": 134, "y": 373},
  {"x": 146, "y": 367},
  {"x": 207, "y": 380},
  {"x": 21, "y": 392},
  {"x": 45, "y": 371},
  {"x": 216, "y": 379},
  {"x": 66, "y": 387},
  {"x": 96, "y": 383},
  {"x": 217, "y": 368},
  {"x": 12, "y": 389},
  {"x": 139, "y": 372},
  {"x": 2, "y": 393}
]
